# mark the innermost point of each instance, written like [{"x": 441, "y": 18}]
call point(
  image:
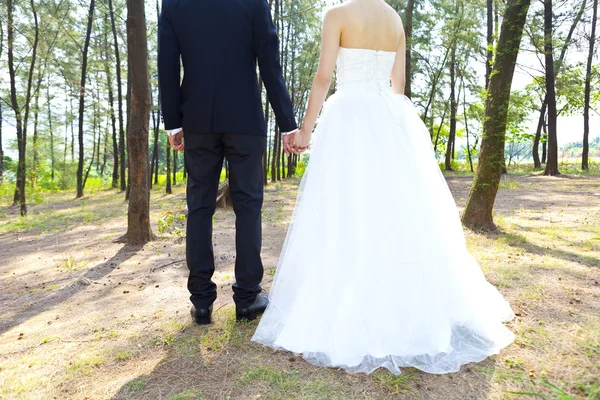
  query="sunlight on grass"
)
[
  {"x": 403, "y": 383},
  {"x": 188, "y": 394}
]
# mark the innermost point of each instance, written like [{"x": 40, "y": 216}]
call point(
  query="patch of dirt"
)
[{"x": 84, "y": 317}]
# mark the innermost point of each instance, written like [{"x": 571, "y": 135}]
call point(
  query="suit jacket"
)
[{"x": 220, "y": 42}]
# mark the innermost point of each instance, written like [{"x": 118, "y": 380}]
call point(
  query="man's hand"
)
[
  {"x": 301, "y": 142},
  {"x": 287, "y": 142},
  {"x": 176, "y": 141}
]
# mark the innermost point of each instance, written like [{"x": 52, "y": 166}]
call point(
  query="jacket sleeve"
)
[
  {"x": 169, "y": 73},
  {"x": 266, "y": 45}
]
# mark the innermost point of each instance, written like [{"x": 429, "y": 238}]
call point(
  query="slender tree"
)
[
  {"x": 490, "y": 42},
  {"x": 84, "y": 62},
  {"x": 50, "y": 131},
  {"x": 552, "y": 163},
  {"x": 168, "y": 188},
  {"x": 111, "y": 106},
  {"x": 1, "y": 149},
  {"x": 478, "y": 211},
  {"x": 138, "y": 216},
  {"x": 119, "y": 95},
  {"x": 588, "y": 89},
  {"x": 21, "y": 121},
  {"x": 559, "y": 64},
  {"x": 408, "y": 29},
  {"x": 453, "y": 102}
]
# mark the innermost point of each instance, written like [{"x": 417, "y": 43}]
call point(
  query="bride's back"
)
[{"x": 370, "y": 24}]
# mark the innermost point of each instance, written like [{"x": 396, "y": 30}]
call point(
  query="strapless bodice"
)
[{"x": 364, "y": 68}]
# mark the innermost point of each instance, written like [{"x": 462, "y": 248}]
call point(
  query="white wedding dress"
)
[{"x": 375, "y": 271}]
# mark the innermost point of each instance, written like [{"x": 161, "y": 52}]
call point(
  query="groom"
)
[{"x": 219, "y": 110}]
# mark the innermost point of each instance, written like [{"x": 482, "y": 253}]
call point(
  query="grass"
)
[
  {"x": 403, "y": 383},
  {"x": 544, "y": 260},
  {"x": 188, "y": 394},
  {"x": 135, "y": 386},
  {"x": 70, "y": 264}
]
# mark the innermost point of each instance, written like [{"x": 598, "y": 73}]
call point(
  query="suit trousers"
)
[{"x": 204, "y": 155}]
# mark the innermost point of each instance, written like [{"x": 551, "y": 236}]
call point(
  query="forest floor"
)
[{"x": 84, "y": 317}]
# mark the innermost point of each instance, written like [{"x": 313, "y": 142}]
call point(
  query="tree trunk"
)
[
  {"x": 588, "y": 79},
  {"x": 94, "y": 131},
  {"x": 155, "y": 122},
  {"x": 478, "y": 211},
  {"x": 408, "y": 28},
  {"x": 82, "y": 98},
  {"x": 119, "y": 96},
  {"x": 21, "y": 124},
  {"x": 138, "y": 215},
  {"x": 1, "y": 149},
  {"x": 453, "y": 102},
  {"x": 66, "y": 135},
  {"x": 490, "y": 41},
  {"x": 545, "y": 142},
  {"x": 127, "y": 123},
  {"x": 559, "y": 64},
  {"x": 538, "y": 134},
  {"x": 111, "y": 109},
  {"x": 71, "y": 120},
  {"x": 105, "y": 148},
  {"x": 552, "y": 163},
  {"x": 466, "y": 123},
  {"x": 51, "y": 131},
  {"x": 36, "y": 114},
  {"x": 175, "y": 167},
  {"x": 157, "y": 126},
  {"x": 168, "y": 164}
]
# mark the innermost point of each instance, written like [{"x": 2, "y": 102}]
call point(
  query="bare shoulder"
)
[
  {"x": 396, "y": 18},
  {"x": 336, "y": 14}
]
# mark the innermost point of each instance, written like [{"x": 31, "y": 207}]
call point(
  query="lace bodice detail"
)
[{"x": 363, "y": 67}]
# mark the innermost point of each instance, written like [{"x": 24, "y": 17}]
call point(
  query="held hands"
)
[
  {"x": 176, "y": 141},
  {"x": 300, "y": 141}
]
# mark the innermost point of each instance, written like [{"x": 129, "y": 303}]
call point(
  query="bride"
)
[{"x": 375, "y": 271}]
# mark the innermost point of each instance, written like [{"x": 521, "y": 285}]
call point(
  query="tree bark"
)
[
  {"x": 36, "y": 112},
  {"x": 175, "y": 167},
  {"x": 545, "y": 141},
  {"x": 138, "y": 215},
  {"x": 51, "y": 131},
  {"x": 552, "y": 162},
  {"x": 119, "y": 96},
  {"x": 538, "y": 134},
  {"x": 168, "y": 188},
  {"x": 559, "y": 64},
  {"x": 1, "y": 149},
  {"x": 111, "y": 109},
  {"x": 478, "y": 211},
  {"x": 490, "y": 42},
  {"x": 408, "y": 28},
  {"x": 21, "y": 124},
  {"x": 71, "y": 120},
  {"x": 467, "y": 123},
  {"x": 82, "y": 97},
  {"x": 105, "y": 148},
  {"x": 453, "y": 102},
  {"x": 588, "y": 79},
  {"x": 127, "y": 123}
]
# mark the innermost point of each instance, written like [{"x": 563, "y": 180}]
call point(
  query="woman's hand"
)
[{"x": 301, "y": 141}]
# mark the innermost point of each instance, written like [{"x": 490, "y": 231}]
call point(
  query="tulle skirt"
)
[{"x": 375, "y": 271}]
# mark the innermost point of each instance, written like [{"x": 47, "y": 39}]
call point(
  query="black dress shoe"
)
[
  {"x": 258, "y": 307},
  {"x": 202, "y": 316}
]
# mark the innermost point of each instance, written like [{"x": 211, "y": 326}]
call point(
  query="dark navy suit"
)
[{"x": 218, "y": 105}]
